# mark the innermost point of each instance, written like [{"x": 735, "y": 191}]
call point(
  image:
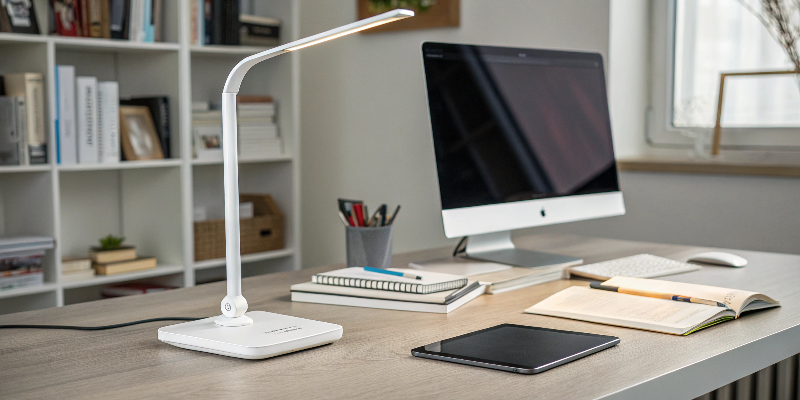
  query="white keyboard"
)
[{"x": 638, "y": 266}]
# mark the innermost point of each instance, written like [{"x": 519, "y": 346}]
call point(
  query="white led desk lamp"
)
[{"x": 256, "y": 334}]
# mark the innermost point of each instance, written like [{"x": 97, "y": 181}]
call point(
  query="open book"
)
[{"x": 660, "y": 315}]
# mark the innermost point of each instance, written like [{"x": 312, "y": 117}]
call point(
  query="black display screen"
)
[
  {"x": 518, "y": 346},
  {"x": 513, "y": 124}
]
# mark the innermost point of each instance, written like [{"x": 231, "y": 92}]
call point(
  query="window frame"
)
[{"x": 659, "y": 130}]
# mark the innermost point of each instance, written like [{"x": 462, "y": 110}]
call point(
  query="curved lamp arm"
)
[{"x": 234, "y": 304}]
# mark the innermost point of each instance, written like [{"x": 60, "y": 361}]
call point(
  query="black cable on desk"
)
[{"x": 97, "y": 328}]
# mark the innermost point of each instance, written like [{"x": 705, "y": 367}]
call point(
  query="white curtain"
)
[{"x": 713, "y": 36}]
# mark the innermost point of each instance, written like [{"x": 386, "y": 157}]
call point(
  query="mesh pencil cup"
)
[{"x": 369, "y": 247}]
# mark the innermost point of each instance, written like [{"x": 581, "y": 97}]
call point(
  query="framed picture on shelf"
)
[
  {"x": 18, "y": 16},
  {"x": 208, "y": 142},
  {"x": 138, "y": 134},
  {"x": 428, "y": 14}
]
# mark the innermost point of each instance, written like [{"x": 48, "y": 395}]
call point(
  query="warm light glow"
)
[{"x": 338, "y": 35}]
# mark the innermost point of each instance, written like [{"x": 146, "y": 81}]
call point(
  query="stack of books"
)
[
  {"x": 21, "y": 261},
  {"x": 499, "y": 278},
  {"x": 258, "y": 133},
  {"x": 23, "y": 137},
  {"x": 76, "y": 269},
  {"x": 124, "y": 259},
  {"x": 419, "y": 291}
]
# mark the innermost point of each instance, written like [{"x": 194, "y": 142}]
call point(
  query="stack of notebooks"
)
[
  {"x": 434, "y": 293},
  {"x": 498, "y": 278},
  {"x": 258, "y": 133}
]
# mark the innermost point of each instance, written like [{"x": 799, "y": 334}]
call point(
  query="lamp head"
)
[{"x": 237, "y": 74}]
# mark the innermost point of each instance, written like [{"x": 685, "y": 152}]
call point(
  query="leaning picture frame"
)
[{"x": 138, "y": 134}]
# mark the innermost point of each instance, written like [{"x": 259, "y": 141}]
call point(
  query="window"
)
[{"x": 700, "y": 39}]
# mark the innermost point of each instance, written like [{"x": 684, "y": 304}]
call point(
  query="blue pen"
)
[{"x": 387, "y": 272}]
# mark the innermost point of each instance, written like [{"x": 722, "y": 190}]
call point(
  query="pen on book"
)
[
  {"x": 395, "y": 273},
  {"x": 657, "y": 295}
]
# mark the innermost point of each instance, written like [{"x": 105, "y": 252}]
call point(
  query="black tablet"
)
[{"x": 516, "y": 348}]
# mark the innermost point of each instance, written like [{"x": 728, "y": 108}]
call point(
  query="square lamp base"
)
[{"x": 269, "y": 335}]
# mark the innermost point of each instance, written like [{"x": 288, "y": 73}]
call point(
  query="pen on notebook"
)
[
  {"x": 395, "y": 273},
  {"x": 645, "y": 293}
]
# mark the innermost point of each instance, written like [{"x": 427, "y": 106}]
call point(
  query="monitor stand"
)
[{"x": 498, "y": 247}]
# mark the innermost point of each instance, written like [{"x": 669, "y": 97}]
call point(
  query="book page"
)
[
  {"x": 733, "y": 298},
  {"x": 593, "y": 305}
]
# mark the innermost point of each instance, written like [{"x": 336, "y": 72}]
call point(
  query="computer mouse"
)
[{"x": 719, "y": 258}]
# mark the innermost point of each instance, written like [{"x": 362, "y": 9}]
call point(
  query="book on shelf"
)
[
  {"x": 21, "y": 269},
  {"x": 18, "y": 17},
  {"x": 120, "y": 267},
  {"x": 65, "y": 14},
  {"x": 649, "y": 313},
  {"x": 431, "y": 282},
  {"x": 30, "y": 86},
  {"x": 66, "y": 138},
  {"x": 259, "y": 31},
  {"x": 25, "y": 243},
  {"x": 132, "y": 289},
  {"x": 160, "y": 111},
  {"x": 74, "y": 264},
  {"x": 440, "y": 302},
  {"x": 108, "y": 145},
  {"x": 86, "y": 111},
  {"x": 227, "y": 22},
  {"x": 134, "y": 20},
  {"x": 80, "y": 275},
  {"x": 110, "y": 256},
  {"x": 12, "y": 135}
]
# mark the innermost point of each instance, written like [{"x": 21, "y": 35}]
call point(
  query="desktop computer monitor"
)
[{"x": 522, "y": 138}]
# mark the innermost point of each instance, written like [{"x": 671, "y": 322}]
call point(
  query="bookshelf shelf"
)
[
  {"x": 151, "y": 203},
  {"x": 161, "y": 270},
  {"x": 281, "y": 158},
  {"x": 110, "y": 45},
  {"x": 246, "y": 258},
  {"x": 217, "y": 50},
  {"x": 123, "y": 165},
  {"x": 47, "y": 287},
  {"x": 21, "y": 38},
  {"x": 24, "y": 168}
]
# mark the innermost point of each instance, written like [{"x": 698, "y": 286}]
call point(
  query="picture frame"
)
[
  {"x": 207, "y": 142},
  {"x": 428, "y": 14},
  {"x": 138, "y": 134}
]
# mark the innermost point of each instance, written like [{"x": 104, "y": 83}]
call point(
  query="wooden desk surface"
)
[{"x": 373, "y": 358}]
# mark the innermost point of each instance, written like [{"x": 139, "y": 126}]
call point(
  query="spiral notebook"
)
[{"x": 431, "y": 282}]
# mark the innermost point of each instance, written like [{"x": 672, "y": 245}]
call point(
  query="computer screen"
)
[{"x": 513, "y": 124}]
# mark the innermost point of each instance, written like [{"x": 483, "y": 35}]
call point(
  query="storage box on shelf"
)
[
  {"x": 149, "y": 202},
  {"x": 261, "y": 233}
]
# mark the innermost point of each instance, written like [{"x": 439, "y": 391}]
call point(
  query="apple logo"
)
[{"x": 542, "y": 212}]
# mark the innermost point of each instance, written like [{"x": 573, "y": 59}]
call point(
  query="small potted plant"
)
[{"x": 111, "y": 250}]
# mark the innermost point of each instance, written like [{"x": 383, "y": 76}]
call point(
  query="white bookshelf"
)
[{"x": 149, "y": 202}]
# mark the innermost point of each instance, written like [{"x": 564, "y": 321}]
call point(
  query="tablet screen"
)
[{"x": 517, "y": 348}]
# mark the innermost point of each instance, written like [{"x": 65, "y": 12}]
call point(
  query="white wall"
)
[{"x": 364, "y": 118}]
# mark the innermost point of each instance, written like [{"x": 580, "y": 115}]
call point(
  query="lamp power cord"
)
[{"x": 97, "y": 328}]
